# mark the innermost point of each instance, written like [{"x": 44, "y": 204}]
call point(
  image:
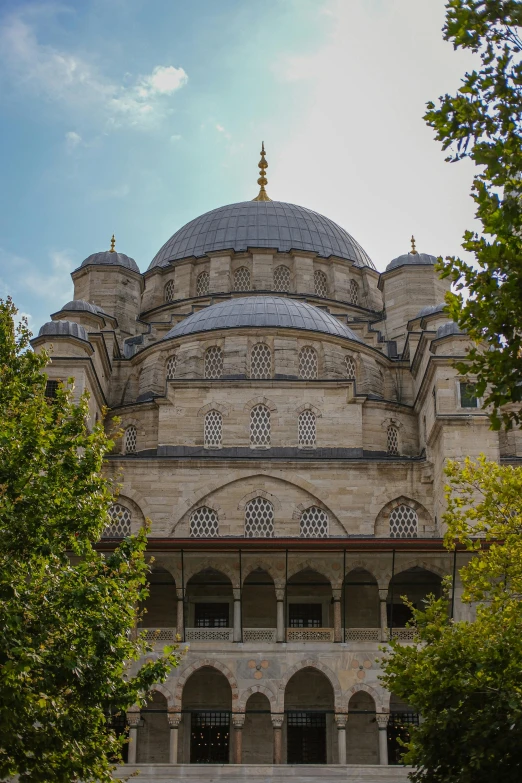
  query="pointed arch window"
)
[
  {"x": 259, "y": 518},
  {"x": 261, "y": 361},
  {"x": 392, "y": 441},
  {"x": 130, "y": 439},
  {"x": 242, "y": 279},
  {"x": 213, "y": 429},
  {"x": 353, "y": 292},
  {"x": 213, "y": 362},
  {"x": 306, "y": 430},
  {"x": 313, "y": 523},
  {"x": 260, "y": 426},
  {"x": 202, "y": 284},
  {"x": 120, "y": 525},
  {"x": 404, "y": 522},
  {"x": 320, "y": 283},
  {"x": 308, "y": 364},
  {"x": 204, "y": 523},
  {"x": 169, "y": 291},
  {"x": 282, "y": 278}
]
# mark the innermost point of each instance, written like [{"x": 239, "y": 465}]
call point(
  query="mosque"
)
[{"x": 287, "y": 411}]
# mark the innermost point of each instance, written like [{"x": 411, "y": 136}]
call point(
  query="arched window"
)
[
  {"x": 130, "y": 439},
  {"x": 213, "y": 430},
  {"x": 261, "y": 361},
  {"x": 320, "y": 283},
  {"x": 259, "y": 519},
  {"x": 171, "y": 366},
  {"x": 120, "y": 525},
  {"x": 353, "y": 292},
  {"x": 404, "y": 522},
  {"x": 213, "y": 362},
  {"x": 260, "y": 426},
  {"x": 169, "y": 291},
  {"x": 393, "y": 440},
  {"x": 242, "y": 279},
  {"x": 308, "y": 363},
  {"x": 204, "y": 523},
  {"x": 202, "y": 283},
  {"x": 313, "y": 523},
  {"x": 282, "y": 278},
  {"x": 349, "y": 362},
  {"x": 306, "y": 429}
]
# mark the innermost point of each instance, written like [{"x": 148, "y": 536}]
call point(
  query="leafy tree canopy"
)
[
  {"x": 66, "y": 611},
  {"x": 483, "y": 122}
]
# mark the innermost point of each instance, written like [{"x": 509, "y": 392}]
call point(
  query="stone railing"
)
[
  {"x": 362, "y": 635},
  {"x": 402, "y": 634},
  {"x": 167, "y": 635},
  {"x": 259, "y": 635},
  {"x": 309, "y": 634},
  {"x": 209, "y": 634}
]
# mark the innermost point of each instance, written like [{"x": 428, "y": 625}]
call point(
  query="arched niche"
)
[
  {"x": 154, "y": 732},
  {"x": 309, "y": 600},
  {"x": 416, "y": 584},
  {"x": 209, "y": 600},
  {"x": 362, "y": 732},
  {"x": 205, "y": 725},
  {"x": 361, "y": 599},
  {"x": 159, "y": 608},
  {"x": 259, "y": 600},
  {"x": 257, "y": 731},
  {"x": 309, "y": 727}
]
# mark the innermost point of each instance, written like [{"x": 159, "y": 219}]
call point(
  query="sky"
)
[{"x": 133, "y": 117}]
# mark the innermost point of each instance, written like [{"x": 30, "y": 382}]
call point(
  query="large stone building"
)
[{"x": 287, "y": 410}]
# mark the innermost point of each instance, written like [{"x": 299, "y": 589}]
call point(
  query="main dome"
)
[
  {"x": 271, "y": 311},
  {"x": 270, "y": 224}
]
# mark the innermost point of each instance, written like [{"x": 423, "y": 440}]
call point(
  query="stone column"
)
[
  {"x": 383, "y": 597},
  {"x": 341, "y": 737},
  {"x": 133, "y": 719},
  {"x": 277, "y": 723},
  {"x": 280, "y": 598},
  {"x": 337, "y": 615},
  {"x": 382, "y": 719},
  {"x": 174, "y": 719},
  {"x": 238, "y": 722},
  {"x": 237, "y": 614},
  {"x": 180, "y": 615}
]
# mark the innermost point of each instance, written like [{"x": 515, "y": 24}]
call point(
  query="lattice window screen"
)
[
  {"x": 120, "y": 522},
  {"x": 320, "y": 283},
  {"x": 171, "y": 366},
  {"x": 202, "y": 284},
  {"x": 259, "y": 519},
  {"x": 204, "y": 523},
  {"x": 393, "y": 440},
  {"x": 306, "y": 429},
  {"x": 260, "y": 426},
  {"x": 213, "y": 362},
  {"x": 313, "y": 523},
  {"x": 261, "y": 361},
  {"x": 350, "y": 366},
  {"x": 404, "y": 522},
  {"x": 308, "y": 363},
  {"x": 282, "y": 278},
  {"x": 130, "y": 439},
  {"x": 242, "y": 279},
  {"x": 169, "y": 291},
  {"x": 213, "y": 430},
  {"x": 353, "y": 292}
]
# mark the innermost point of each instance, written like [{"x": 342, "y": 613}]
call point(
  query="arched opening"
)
[
  {"x": 309, "y": 712},
  {"x": 257, "y": 731},
  {"x": 309, "y": 615},
  {"x": 209, "y": 607},
  {"x": 402, "y": 718},
  {"x": 259, "y": 607},
  {"x": 361, "y": 607},
  {"x": 158, "y": 613},
  {"x": 362, "y": 732},
  {"x": 416, "y": 584},
  {"x": 205, "y": 725},
  {"x": 154, "y": 733}
]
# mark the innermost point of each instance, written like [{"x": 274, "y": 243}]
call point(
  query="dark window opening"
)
[
  {"x": 468, "y": 397},
  {"x": 306, "y": 738},
  {"x": 51, "y": 387},
  {"x": 118, "y": 724},
  {"x": 209, "y": 738},
  {"x": 401, "y": 615},
  {"x": 305, "y": 615},
  {"x": 211, "y": 615},
  {"x": 399, "y": 728}
]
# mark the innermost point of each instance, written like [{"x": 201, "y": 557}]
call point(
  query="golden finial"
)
[
  {"x": 262, "y": 181},
  {"x": 413, "y": 250},
  {"x": 113, "y": 243}
]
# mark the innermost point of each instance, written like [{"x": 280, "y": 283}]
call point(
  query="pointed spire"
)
[
  {"x": 262, "y": 181},
  {"x": 413, "y": 250},
  {"x": 113, "y": 243}
]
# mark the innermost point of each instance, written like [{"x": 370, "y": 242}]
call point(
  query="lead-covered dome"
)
[
  {"x": 63, "y": 329},
  {"x": 270, "y": 224},
  {"x": 111, "y": 258},
  {"x": 411, "y": 258},
  {"x": 256, "y": 311}
]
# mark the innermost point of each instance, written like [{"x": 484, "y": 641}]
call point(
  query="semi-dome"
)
[
  {"x": 81, "y": 306},
  {"x": 270, "y": 224},
  {"x": 411, "y": 258},
  {"x": 446, "y": 330},
  {"x": 63, "y": 329},
  {"x": 257, "y": 311},
  {"x": 111, "y": 258}
]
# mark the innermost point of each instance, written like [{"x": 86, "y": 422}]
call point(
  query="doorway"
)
[{"x": 210, "y": 738}]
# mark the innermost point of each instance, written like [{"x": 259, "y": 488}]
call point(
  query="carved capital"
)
[
  {"x": 174, "y": 719},
  {"x": 237, "y": 593},
  {"x": 280, "y": 593},
  {"x": 238, "y": 720},
  {"x": 383, "y": 593},
  {"x": 277, "y": 719},
  {"x": 337, "y": 593},
  {"x": 382, "y": 719},
  {"x": 133, "y": 718},
  {"x": 341, "y": 721}
]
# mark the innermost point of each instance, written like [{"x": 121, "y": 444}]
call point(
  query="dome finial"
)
[
  {"x": 262, "y": 181},
  {"x": 113, "y": 243},
  {"x": 413, "y": 250}
]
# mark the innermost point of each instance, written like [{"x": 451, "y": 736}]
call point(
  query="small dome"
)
[
  {"x": 63, "y": 329},
  {"x": 448, "y": 329},
  {"x": 111, "y": 258},
  {"x": 272, "y": 311},
  {"x": 411, "y": 258},
  {"x": 80, "y": 305},
  {"x": 431, "y": 309}
]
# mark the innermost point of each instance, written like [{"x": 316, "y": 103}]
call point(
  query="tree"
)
[
  {"x": 483, "y": 123},
  {"x": 66, "y": 611},
  {"x": 465, "y": 677}
]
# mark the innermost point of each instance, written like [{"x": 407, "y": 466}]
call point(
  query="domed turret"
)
[{"x": 63, "y": 329}]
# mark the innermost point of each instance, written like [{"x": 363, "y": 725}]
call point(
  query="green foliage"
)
[
  {"x": 465, "y": 677},
  {"x": 482, "y": 122},
  {"x": 66, "y": 612}
]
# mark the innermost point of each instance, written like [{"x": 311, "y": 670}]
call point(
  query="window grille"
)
[
  {"x": 313, "y": 523},
  {"x": 51, "y": 387},
  {"x": 171, "y": 366},
  {"x": 261, "y": 361},
  {"x": 305, "y": 615},
  {"x": 393, "y": 440},
  {"x": 204, "y": 523},
  {"x": 350, "y": 366},
  {"x": 169, "y": 291},
  {"x": 260, "y": 426},
  {"x": 213, "y": 362},
  {"x": 282, "y": 278},
  {"x": 130, "y": 441},
  {"x": 242, "y": 279},
  {"x": 211, "y": 615},
  {"x": 404, "y": 522},
  {"x": 320, "y": 283},
  {"x": 353, "y": 292},
  {"x": 306, "y": 429},
  {"x": 213, "y": 430},
  {"x": 259, "y": 519},
  {"x": 307, "y": 363},
  {"x": 120, "y": 522},
  {"x": 468, "y": 397},
  {"x": 202, "y": 284}
]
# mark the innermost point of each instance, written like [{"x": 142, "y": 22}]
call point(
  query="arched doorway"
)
[
  {"x": 159, "y": 608},
  {"x": 259, "y": 607},
  {"x": 309, "y": 708},
  {"x": 309, "y": 607},
  {"x": 154, "y": 732},
  {"x": 206, "y": 708},
  {"x": 209, "y": 607},
  {"x": 257, "y": 732},
  {"x": 361, "y": 606},
  {"x": 416, "y": 583},
  {"x": 402, "y": 718},
  {"x": 362, "y": 732}
]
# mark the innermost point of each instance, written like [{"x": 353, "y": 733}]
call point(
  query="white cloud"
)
[
  {"x": 51, "y": 284},
  {"x": 164, "y": 79},
  {"x": 223, "y": 130},
  {"x": 72, "y": 140}
]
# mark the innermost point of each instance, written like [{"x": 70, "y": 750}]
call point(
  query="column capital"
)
[
  {"x": 277, "y": 719},
  {"x": 238, "y": 720},
  {"x": 174, "y": 719},
  {"x": 337, "y": 593},
  {"x": 133, "y": 718},
  {"x": 383, "y": 593},
  {"x": 340, "y": 720},
  {"x": 237, "y": 593},
  {"x": 382, "y": 719},
  {"x": 280, "y": 593}
]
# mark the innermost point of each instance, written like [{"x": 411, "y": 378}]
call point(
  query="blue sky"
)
[{"x": 134, "y": 116}]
